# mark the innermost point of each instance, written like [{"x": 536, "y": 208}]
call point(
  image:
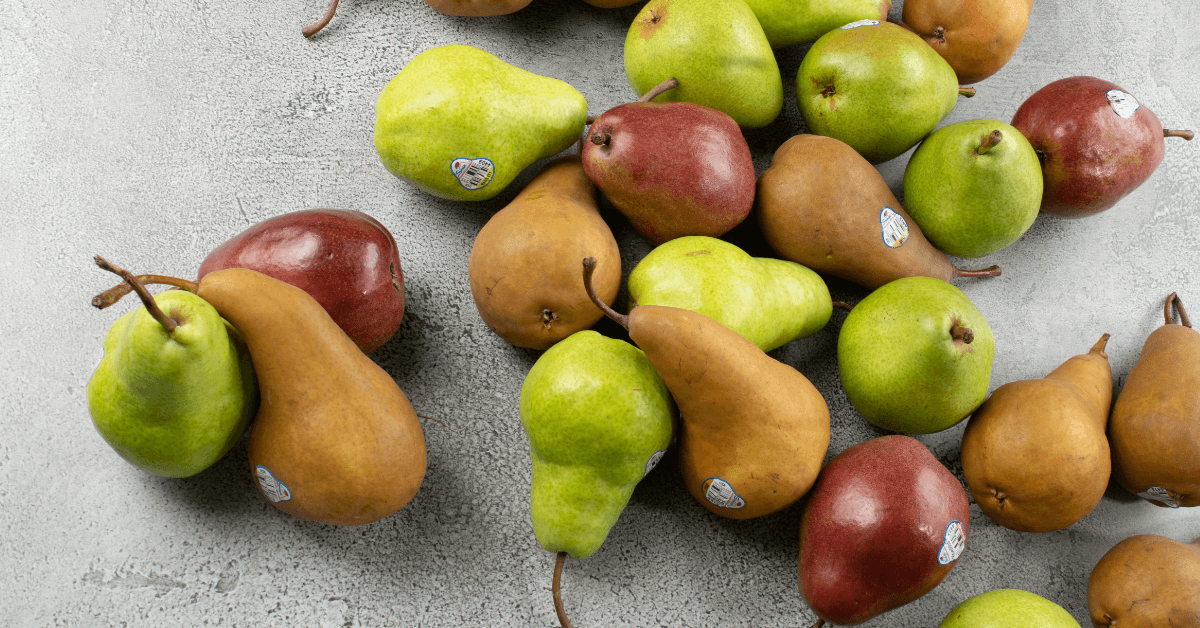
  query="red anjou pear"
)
[
  {"x": 672, "y": 168},
  {"x": 1097, "y": 143},
  {"x": 884, "y": 524}
]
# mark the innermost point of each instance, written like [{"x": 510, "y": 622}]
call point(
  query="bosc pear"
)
[
  {"x": 1144, "y": 581},
  {"x": 1035, "y": 455},
  {"x": 753, "y": 431}
]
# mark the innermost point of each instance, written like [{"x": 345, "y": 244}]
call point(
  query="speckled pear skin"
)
[
  {"x": 457, "y": 102},
  {"x": 976, "y": 37},
  {"x": 791, "y": 22},
  {"x": 597, "y": 417},
  {"x": 1008, "y": 608},
  {"x": 1145, "y": 581}
]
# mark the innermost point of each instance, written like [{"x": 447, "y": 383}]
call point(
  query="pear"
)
[
  {"x": 1008, "y": 608},
  {"x": 1154, "y": 430},
  {"x": 477, "y": 8},
  {"x": 524, "y": 264},
  {"x": 753, "y": 430},
  {"x": 976, "y": 37},
  {"x": 790, "y": 22},
  {"x": 1146, "y": 580},
  {"x": 876, "y": 86},
  {"x": 822, "y": 205},
  {"x": 460, "y": 123},
  {"x": 717, "y": 51},
  {"x": 175, "y": 389},
  {"x": 1034, "y": 455},
  {"x": 768, "y": 301}
]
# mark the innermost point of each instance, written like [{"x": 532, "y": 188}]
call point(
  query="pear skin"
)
[
  {"x": 824, "y": 206},
  {"x": 1035, "y": 455},
  {"x": 477, "y": 8},
  {"x": 1146, "y": 581},
  {"x": 976, "y": 37},
  {"x": 1154, "y": 430},
  {"x": 335, "y": 439}
]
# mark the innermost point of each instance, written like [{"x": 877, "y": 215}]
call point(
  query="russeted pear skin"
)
[
  {"x": 335, "y": 439},
  {"x": 1146, "y": 581},
  {"x": 1154, "y": 430},
  {"x": 1034, "y": 455},
  {"x": 824, "y": 206},
  {"x": 753, "y": 430},
  {"x": 524, "y": 265}
]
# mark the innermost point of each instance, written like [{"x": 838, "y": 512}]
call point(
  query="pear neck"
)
[{"x": 168, "y": 323}]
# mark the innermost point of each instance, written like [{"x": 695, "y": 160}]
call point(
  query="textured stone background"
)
[{"x": 152, "y": 131}]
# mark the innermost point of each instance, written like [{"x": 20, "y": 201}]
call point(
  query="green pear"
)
[
  {"x": 717, "y": 51},
  {"x": 172, "y": 397},
  {"x": 598, "y": 418},
  {"x": 876, "y": 86},
  {"x": 790, "y": 22},
  {"x": 768, "y": 301},
  {"x": 973, "y": 187},
  {"x": 915, "y": 356},
  {"x": 460, "y": 123},
  {"x": 1008, "y": 608}
]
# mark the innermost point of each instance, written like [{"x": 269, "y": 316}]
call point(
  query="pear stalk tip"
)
[
  {"x": 966, "y": 91},
  {"x": 989, "y": 141},
  {"x": 589, "y": 267},
  {"x": 1183, "y": 317},
  {"x": 1101, "y": 345},
  {"x": 556, "y": 590},
  {"x": 990, "y": 271},
  {"x": 1184, "y": 133},
  {"x": 657, "y": 90},
  {"x": 314, "y": 28},
  {"x": 167, "y": 322},
  {"x": 964, "y": 334}
]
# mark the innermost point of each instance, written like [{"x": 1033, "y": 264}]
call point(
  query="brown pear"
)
[
  {"x": 753, "y": 430},
  {"x": 1146, "y": 581},
  {"x": 335, "y": 439},
  {"x": 976, "y": 37},
  {"x": 1155, "y": 425},
  {"x": 1034, "y": 455},
  {"x": 524, "y": 266},
  {"x": 824, "y": 206}
]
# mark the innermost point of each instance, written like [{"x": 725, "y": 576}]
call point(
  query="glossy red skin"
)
[
  {"x": 344, "y": 259},
  {"x": 872, "y": 528},
  {"x": 672, "y": 168},
  {"x": 1092, "y": 156}
]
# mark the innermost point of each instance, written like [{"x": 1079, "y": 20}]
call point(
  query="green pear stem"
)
[
  {"x": 654, "y": 92},
  {"x": 114, "y": 294},
  {"x": 990, "y": 271},
  {"x": 313, "y": 29},
  {"x": 843, "y": 305},
  {"x": 1184, "y": 133},
  {"x": 962, "y": 333},
  {"x": 989, "y": 141},
  {"x": 167, "y": 322},
  {"x": 966, "y": 91},
  {"x": 1183, "y": 317},
  {"x": 556, "y": 589},
  {"x": 589, "y": 267},
  {"x": 1100, "y": 345}
]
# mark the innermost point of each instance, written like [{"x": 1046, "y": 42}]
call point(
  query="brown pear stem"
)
[
  {"x": 589, "y": 267},
  {"x": 556, "y": 589},
  {"x": 311, "y": 30},
  {"x": 819, "y": 624},
  {"x": 966, "y": 91},
  {"x": 654, "y": 92},
  {"x": 962, "y": 333},
  {"x": 1183, "y": 317},
  {"x": 1100, "y": 345},
  {"x": 600, "y": 138},
  {"x": 167, "y": 322},
  {"x": 590, "y": 119},
  {"x": 990, "y": 271},
  {"x": 114, "y": 294},
  {"x": 1184, "y": 133},
  {"x": 843, "y": 305},
  {"x": 989, "y": 141}
]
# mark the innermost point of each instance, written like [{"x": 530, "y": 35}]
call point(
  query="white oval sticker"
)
[
  {"x": 721, "y": 493},
  {"x": 653, "y": 461},
  {"x": 1123, "y": 103},
  {"x": 860, "y": 23},
  {"x": 1162, "y": 495},
  {"x": 275, "y": 490},
  {"x": 894, "y": 227},
  {"x": 953, "y": 543},
  {"x": 473, "y": 173}
]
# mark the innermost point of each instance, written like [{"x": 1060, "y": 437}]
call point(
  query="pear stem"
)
[
  {"x": 600, "y": 138},
  {"x": 990, "y": 271},
  {"x": 311, "y": 30},
  {"x": 167, "y": 322},
  {"x": 962, "y": 333},
  {"x": 843, "y": 305},
  {"x": 989, "y": 141},
  {"x": 655, "y": 91},
  {"x": 1184, "y": 133},
  {"x": 556, "y": 589},
  {"x": 589, "y": 267},
  {"x": 1100, "y": 345},
  {"x": 966, "y": 91},
  {"x": 819, "y": 624},
  {"x": 114, "y": 294},
  {"x": 1183, "y": 317}
]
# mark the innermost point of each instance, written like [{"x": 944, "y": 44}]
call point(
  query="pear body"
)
[
  {"x": 460, "y": 123},
  {"x": 753, "y": 430},
  {"x": 791, "y": 22},
  {"x": 876, "y": 86},
  {"x": 717, "y": 51},
  {"x": 598, "y": 419},
  {"x": 1144, "y": 581},
  {"x": 1008, "y": 608},
  {"x": 976, "y": 37},
  {"x": 524, "y": 264},
  {"x": 173, "y": 404},
  {"x": 1035, "y": 455},
  {"x": 477, "y": 8},
  {"x": 335, "y": 439},
  {"x": 768, "y": 301},
  {"x": 971, "y": 197},
  {"x": 1154, "y": 430}
]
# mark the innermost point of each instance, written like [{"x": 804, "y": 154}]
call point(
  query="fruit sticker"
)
[
  {"x": 1123, "y": 103},
  {"x": 860, "y": 23},
  {"x": 721, "y": 493},
  {"x": 1162, "y": 495},
  {"x": 473, "y": 173},
  {"x": 894, "y": 227},
  {"x": 275, "y": 490},
  {"x": 953, "y": 543},
  {"x": 653, "y": 461}
]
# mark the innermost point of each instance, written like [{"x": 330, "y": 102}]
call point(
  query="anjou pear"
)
[
  {"x": 524, "y": 264},
  {"x": 1146, "y": 581},
  {"x": 1154, "y": 430},
  {"x": 1008, "y": 608},
  {"x": 791, "y": 22},
  {"x": 768, "y": 301},
  {"x": 175, "y": 389},
  {"x": 753, "y": 430},
  {"x": 460, "y": 123},
  {"x": 976, "y": 37},
  {"x": 1034, "y": 455},
  {"x": 821, "y": 204}
]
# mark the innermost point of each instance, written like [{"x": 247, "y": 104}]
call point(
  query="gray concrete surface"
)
[{"x": 150, "y": 132}]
